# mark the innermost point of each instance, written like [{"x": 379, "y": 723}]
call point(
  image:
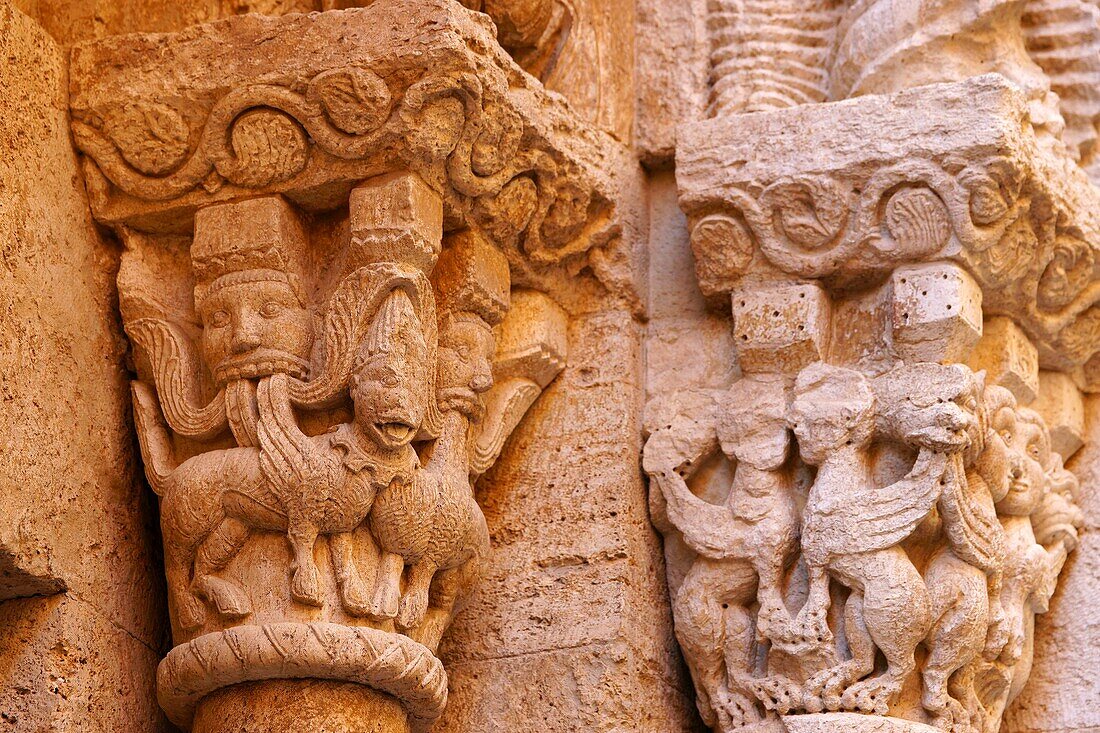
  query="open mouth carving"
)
[{"x": 398, "y": 432}]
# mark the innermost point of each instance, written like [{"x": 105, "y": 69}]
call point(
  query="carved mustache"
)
[{"x": 261, "y": 362}]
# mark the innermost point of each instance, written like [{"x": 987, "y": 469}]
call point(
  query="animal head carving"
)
[
  {"x": 752, "y": 423},
  {"x": 833, "y": 407},
  {"x": 390, "y": 385},
  {"x": 932, "y": 406},
  {"x": 466, "y": 349}
]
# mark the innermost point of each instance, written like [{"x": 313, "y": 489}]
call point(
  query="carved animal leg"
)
[
  {"x": 190, "y": 611},
  {"x": 823, "y": 690},
  {"x": 414, "y": 603},
  {"x": 810, "y": 628},
  {"x": 215, "y": 553},
  {"x": 897, "y": 617},
  {"x": 353, "y": 592},
  {"x": 305, "y": 586},
  {"x": 960, "y": 606},
  {"x": 710, "y": 593},
  {"x": 387, "y": 587},
  {"x": 733, "y": 702},
  {"x": 449, "y": 588}
]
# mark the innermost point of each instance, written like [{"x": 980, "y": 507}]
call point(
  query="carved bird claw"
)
[
  {"x": 823, "y": 690},
  {"x": 776, "y": 692},
  {"x": 873, "y": 695},
  {"x": 734, "y": 710}
]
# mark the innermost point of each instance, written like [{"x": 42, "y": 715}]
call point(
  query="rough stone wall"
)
[{"x": 82, "y": 608}]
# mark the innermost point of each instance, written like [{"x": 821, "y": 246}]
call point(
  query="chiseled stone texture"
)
[
  {"x": 569, "y": 629},
  {"x": 77, "y": 523}
]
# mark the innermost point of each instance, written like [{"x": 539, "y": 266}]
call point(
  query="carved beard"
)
[{"x": 260, "y": 362}]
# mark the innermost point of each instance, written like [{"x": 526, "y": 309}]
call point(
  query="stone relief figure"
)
[
  {"x": 434, "y": 524},
  {"x": 743, "y": 549},
  {"x": 852, "y": 529},
  {"x": 352, "y": 420},
  {"x": 955, "y": 556},
  {"x": 213, "y": 500}
]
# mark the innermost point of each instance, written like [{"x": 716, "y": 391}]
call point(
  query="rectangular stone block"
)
[
  {"x": 532, "y": 342},
  {"x": 937, "y": 313},
  {"x": 1008, "y": 357},
  {"x": 780, "y": 327},
  {"x": 1062, "y": 407},
  {"x": 396, "y": 218}
]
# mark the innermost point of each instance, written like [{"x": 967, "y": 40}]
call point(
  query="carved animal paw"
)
[
  {"x": 305, "y": 586},
  {"x": 734, "y": 710},
  {"x": 808, "y": 632},
  {"x": 823, "y": 690},
  {"x": 777, "y": 693},
  {"x": 996, "y": 638},
  {"x": 227, "y": 598},
  {"x": 872, "y": 696}
]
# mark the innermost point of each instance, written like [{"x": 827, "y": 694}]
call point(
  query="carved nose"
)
[
  {"x": 246, "y": 337},
  {"x": 1016, "y": 471},
  {"x": 481, "y": 382}
]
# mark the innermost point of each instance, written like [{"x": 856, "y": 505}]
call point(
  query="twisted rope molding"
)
[{"x": 387, "y": 662}]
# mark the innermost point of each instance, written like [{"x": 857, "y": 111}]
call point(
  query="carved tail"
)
[
  {"x": 708, "y": 529},
  {"x": 156, "y": 445}
]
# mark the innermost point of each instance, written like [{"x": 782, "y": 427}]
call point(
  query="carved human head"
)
[
  {"x": 752, "y": 423},
  {"x": 933, "y": 406},
  {"x": 390, "y": 377},
  {"x": 1029, "y": 457},
  {"x": 471, "y": 284},
  {"x": 465, "y": 371},
  {"x": 833, "y": 408},
  {"x": 247, "y": 258},
  {"x": 1058, "y": 518},
  {"x": 994, "y": 462}
]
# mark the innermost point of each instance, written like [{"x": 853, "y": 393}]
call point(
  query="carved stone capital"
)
[{"x": 906, "y": 274}]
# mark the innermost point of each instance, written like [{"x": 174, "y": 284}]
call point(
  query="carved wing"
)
[
  {"x": 293, "y": 464},
  {"x": 175, "y": 371},
  {"x": 506, "y": 404},
  {"x": 970, "y": 521},
  {"x": 877, "y": 518}
]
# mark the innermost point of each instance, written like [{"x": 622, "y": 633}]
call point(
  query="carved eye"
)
[
  {"x": 390, "y": 380},
  {"x": 219, "y": 319},
  {"x": 1033, "y": 450},
  {"x": 463, "y": 351},
  {"x": 1006, "y": 436},
  {"x": 270, "y": 309}
]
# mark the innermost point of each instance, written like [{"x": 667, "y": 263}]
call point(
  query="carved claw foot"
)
[
  {"x": 733, "y": 709},
  {"x": 777, "y": 693},
  {"x": 823, "y": 690},
  {"x": 227, "y": 598},
  {"x": 873, "y": 695},
  {"x": 812, "y": 627},
  {"x": 953, "y": 718},
  {"x": 305, "y": 587},
  {"x": 411, "y": 610}
]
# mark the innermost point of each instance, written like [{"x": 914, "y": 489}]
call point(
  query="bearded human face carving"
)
[
  {"x": 465, "y": 363},
  {"x": 255, "y": 327}
]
